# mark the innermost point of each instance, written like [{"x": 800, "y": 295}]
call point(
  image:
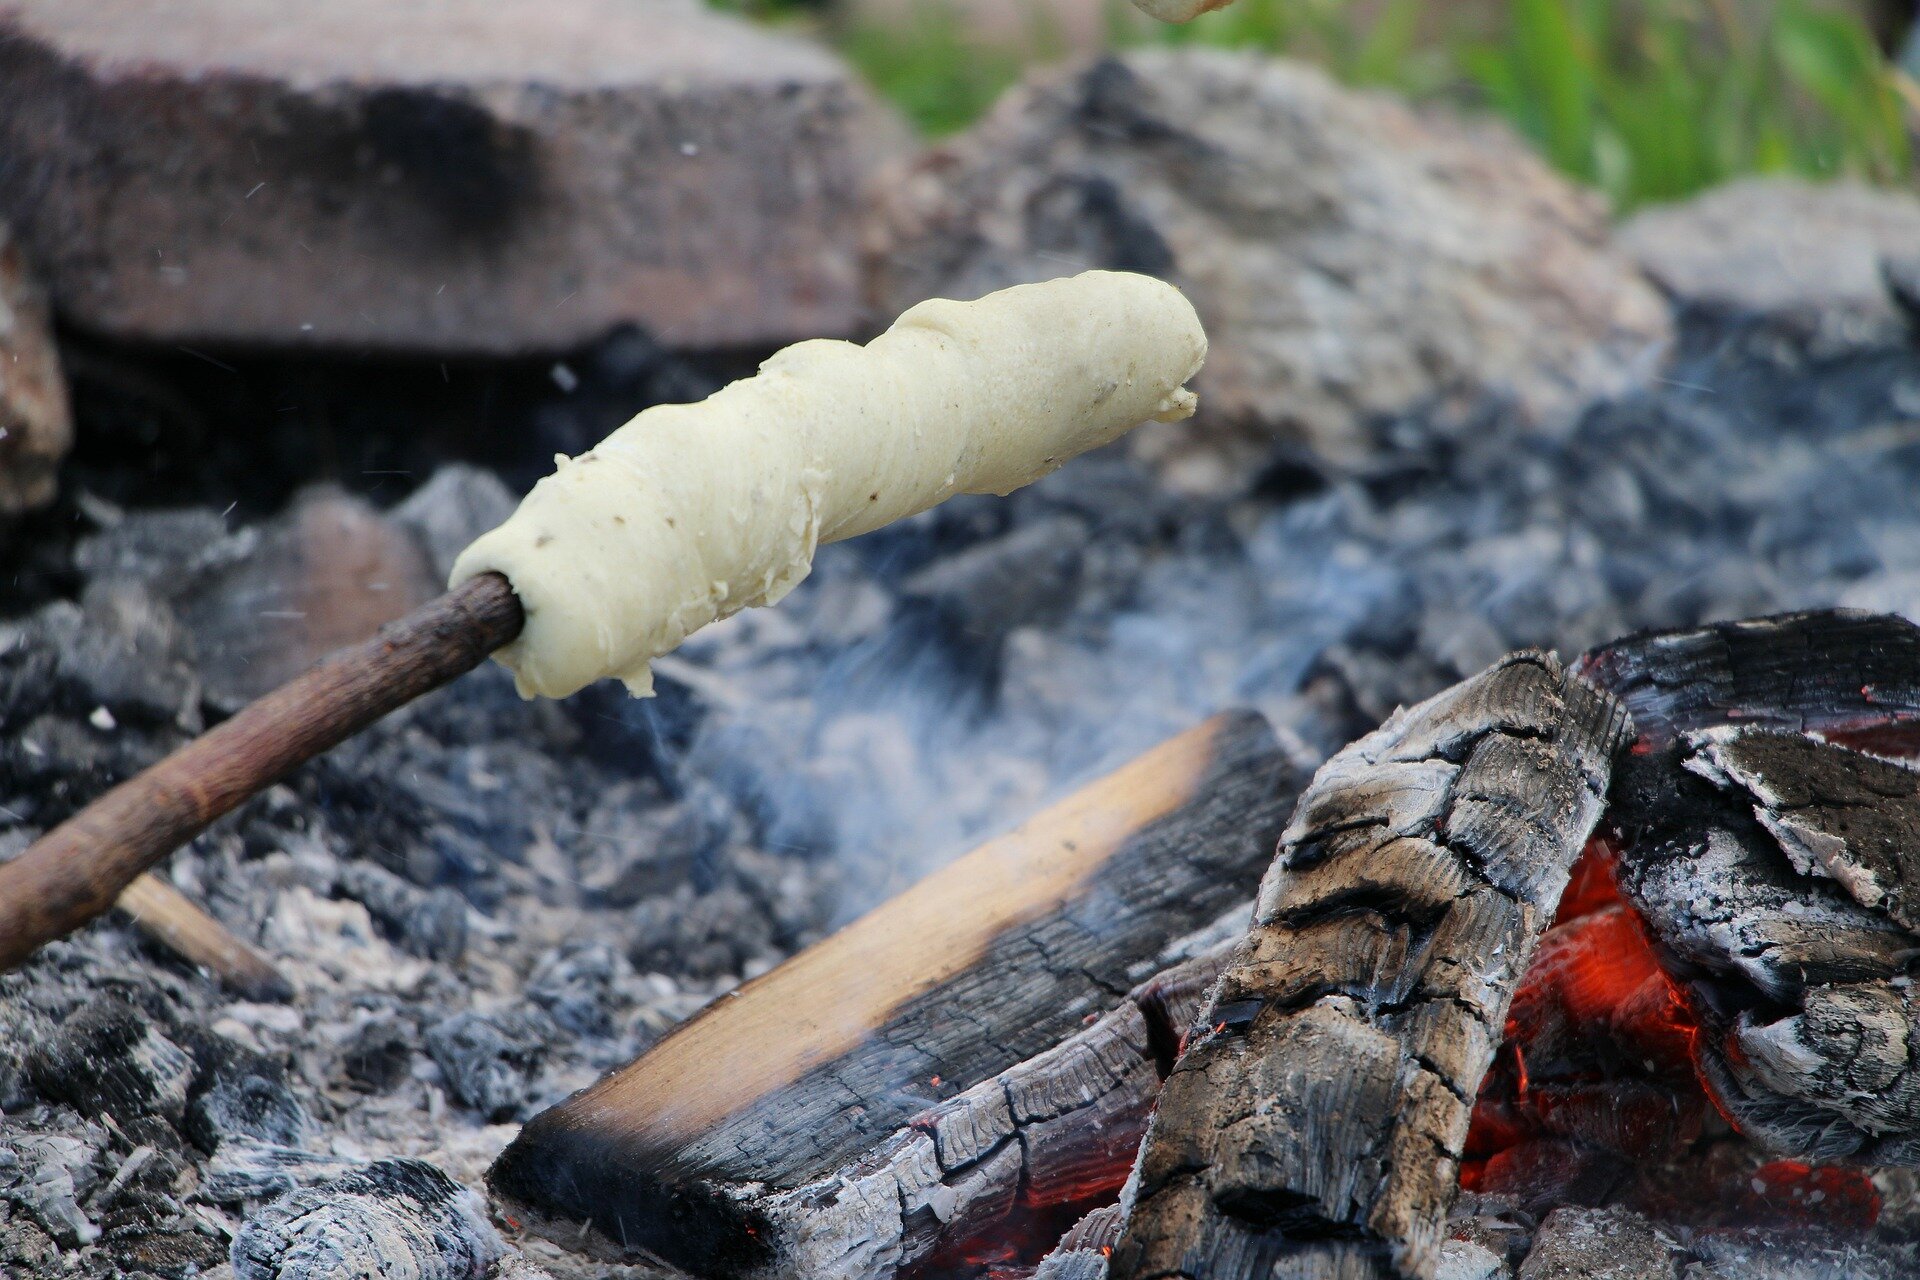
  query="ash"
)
[{"x": 486, "y": 903}]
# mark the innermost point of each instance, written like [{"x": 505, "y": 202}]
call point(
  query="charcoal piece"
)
[
  {"x": 1721, "y": 901},
  {"x": 242, "y": 1094},
  {"x": 379, "y": 1054},
  {"x": 1836, "y": 812},
  {"x": 777, "y": 1093},
  {"x": 109, "y": 1056},
  {"x": 47, "y": 1175},
  {"x": 577, "y": 986},
  {"x": 1466, "y": 1260},
  {"x": 457, "y": 504},
  {"x": 1849, "y": 1057},
  {"x": 1314, "y": 1125},
  {"x": 247, "y": 1170},
  {"x": 1601, "y": 1244},
  {"x": 1083, "y": 1251},
  {"x": 20, "y": 1029},
  {"x": 427, "y": 922},
  {"x": 632, "y": 847},
  {"x": 489, "y": 1061},
  {"x": 1765, "y": 850},
  {"x": 1831, "y": 671},
  {"x": 390, "y": 1218}
]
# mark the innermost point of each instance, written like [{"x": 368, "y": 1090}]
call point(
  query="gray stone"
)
[
  {"x": 36, "y": 424},
  {"x": 462, "y": 175},
  {"x": 1354, "y": 262},
  {"x": 1813, "y": 252}
]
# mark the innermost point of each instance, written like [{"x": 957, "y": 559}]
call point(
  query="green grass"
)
[{"x": 1648, "y": 99}]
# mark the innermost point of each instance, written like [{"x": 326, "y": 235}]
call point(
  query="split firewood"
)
[
  {"x": 1766, "y": 827},
  {"x": 1315, "y": 1124},
  {"x": 847, "y": 1112},
  {"x": 685, "y": 515}
]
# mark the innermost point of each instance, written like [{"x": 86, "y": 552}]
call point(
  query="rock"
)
[
  {"x": 265, "y": 604},
  {"x": 1354, "y": 263},
  {"x": 36, "y": 424},
  {"x": 488, "y": 176},
  {"x": 391, "y": 1218},
  {"x": 1814, "y": 253}
]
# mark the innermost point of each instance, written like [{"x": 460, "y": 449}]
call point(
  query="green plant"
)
[
  {"x": 1658, "y": 99},
  {"x": 929, "y": 66},
  {"x": 1647, "y": 99}
]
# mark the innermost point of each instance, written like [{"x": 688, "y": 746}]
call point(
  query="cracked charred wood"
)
[
  {"x": 1768, "y": 839},
  {"x": 1314, "y": 1125},
  {"x": 730, "y": 1148},
  {"x": 391, "y": 1218},
  {"x": 999, "y": 1170}
]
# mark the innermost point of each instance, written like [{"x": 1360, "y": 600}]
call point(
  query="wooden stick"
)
[
  {"x": 77, "y": 870},
  {"x": 991, "y": 960},
  {"x": 176, "y": 921}
]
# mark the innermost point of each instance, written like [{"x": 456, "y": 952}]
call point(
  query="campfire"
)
[{"x": 1213, "y": 679}]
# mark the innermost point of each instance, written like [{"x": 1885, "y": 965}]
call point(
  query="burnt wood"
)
[
  {"x": 77, "y": 870},
  {"x": 1768, "y": 840},
  {"x": 177, "y": 922},
  {"x": 727, "y": 1148},
  {"x": 1314, "y": 1125},
  {"x": 1001, "y": 1169}
]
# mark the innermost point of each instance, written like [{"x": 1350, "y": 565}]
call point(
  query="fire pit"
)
[{"x": 1351, "y": 840}]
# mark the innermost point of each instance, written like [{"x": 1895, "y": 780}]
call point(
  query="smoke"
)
[{"x": 938, "y": 681}]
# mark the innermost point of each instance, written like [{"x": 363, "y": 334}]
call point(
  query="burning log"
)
[
  {"x": 1315, "y": 1124},
  {"x": 884, "y": 1094},
  {"x": 1766, "y": 823},
  {"x": 687, "y": 514}
]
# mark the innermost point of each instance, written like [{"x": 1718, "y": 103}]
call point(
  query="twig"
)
[
  {"x": 174, "y": 920},
  {"x": 77, "y": 870}
]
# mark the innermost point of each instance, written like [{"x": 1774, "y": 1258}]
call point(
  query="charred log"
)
[
  {"x": 1315, "y": 1124},
  {"x": 775, "y": 1132},
  {"x": 1767, "y": 841},
  {"x": 391, "y": 1218}
]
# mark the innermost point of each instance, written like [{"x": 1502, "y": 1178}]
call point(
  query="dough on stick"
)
[{"x": 692, "y": 512}]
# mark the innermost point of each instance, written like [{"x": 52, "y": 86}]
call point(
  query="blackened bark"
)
[{"x": 1314, "y": 1125}]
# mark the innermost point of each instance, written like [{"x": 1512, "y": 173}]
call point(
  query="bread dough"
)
[{"x": 692, "y": 512}]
